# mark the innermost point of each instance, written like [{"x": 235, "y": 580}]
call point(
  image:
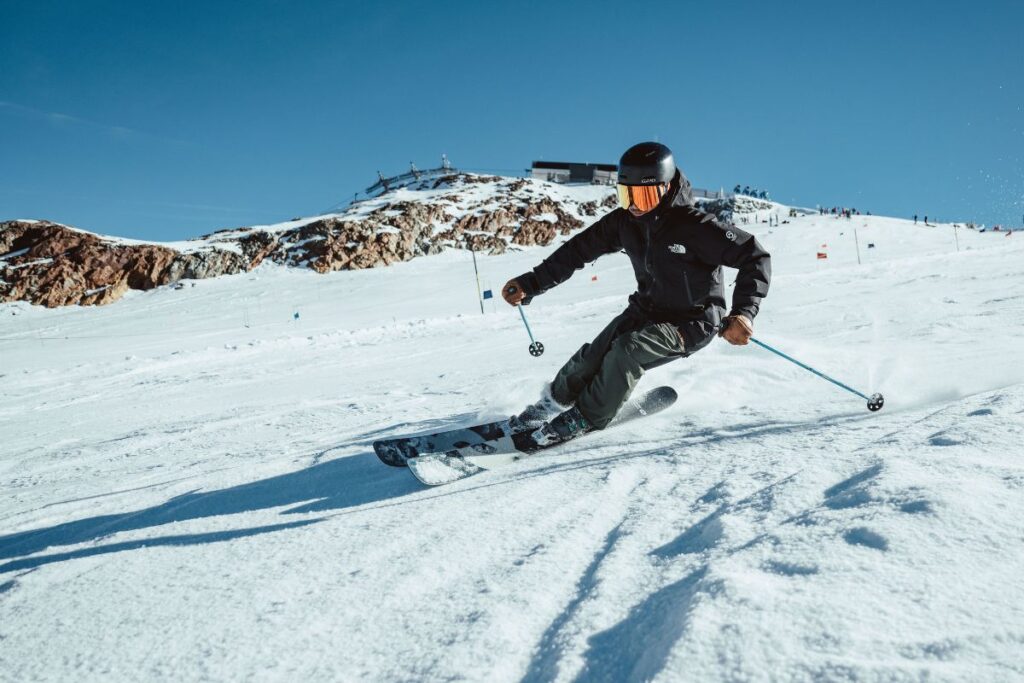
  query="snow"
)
[
  {"x": 546, "y": 217},
  {"x": 33, "y": 262},
  {"x": 189, "y": 490},
  {"x": 13, "y": 254}
]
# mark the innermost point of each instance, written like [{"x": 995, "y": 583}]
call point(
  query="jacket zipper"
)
[
  {"x": 648, "y": 238},
  {"x": 647, "y": 257},
  {"x": 686, "y": 283}
]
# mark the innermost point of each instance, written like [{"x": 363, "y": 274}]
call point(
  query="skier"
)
[{"x": 677, "y": 252}]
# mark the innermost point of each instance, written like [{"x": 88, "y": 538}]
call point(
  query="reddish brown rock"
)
[{"x": 54, "y": 265}]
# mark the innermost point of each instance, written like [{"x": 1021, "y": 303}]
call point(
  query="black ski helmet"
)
[{"x": 649, "y": 163}]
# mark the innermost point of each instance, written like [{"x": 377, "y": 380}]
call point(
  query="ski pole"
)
[
  {"x": 536, "y": 348},
  {"x": 875, "y": 401}
]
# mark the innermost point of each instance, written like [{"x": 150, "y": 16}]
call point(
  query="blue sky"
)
[{"x": 162, "y": 120}]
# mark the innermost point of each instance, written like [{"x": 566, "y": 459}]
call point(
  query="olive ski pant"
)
[{"x": 601, "y": 375}]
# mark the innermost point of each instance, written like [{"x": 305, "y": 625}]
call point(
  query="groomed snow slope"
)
[{"x": 189, "y": 491}]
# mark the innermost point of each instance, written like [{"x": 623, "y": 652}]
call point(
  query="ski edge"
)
[{"x": 468, "y": 461}]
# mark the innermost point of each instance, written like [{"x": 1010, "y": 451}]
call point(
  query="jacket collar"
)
[{"x": 680, "y": 192}]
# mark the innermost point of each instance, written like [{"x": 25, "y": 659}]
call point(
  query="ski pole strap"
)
[
  {"x": 523, "y": 315},
  {"x": 809, "y": 368}
]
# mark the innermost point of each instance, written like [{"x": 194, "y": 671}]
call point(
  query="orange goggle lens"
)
[{"x": 643, "y": 197}]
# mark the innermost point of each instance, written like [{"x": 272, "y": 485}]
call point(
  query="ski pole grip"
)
[{"x": 512, "y": 289}]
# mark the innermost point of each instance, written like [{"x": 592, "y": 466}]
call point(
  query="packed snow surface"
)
[{"x": 189, "y": 491}]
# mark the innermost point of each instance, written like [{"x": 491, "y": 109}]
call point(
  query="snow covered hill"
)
[
  {"x": 189, "y": 490},
  {"x": 56, "y": 265}
]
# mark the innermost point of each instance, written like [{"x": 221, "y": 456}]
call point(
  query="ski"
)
[
  {"x": 436, "y": 468},
  {"x": 397, "y": 452}
]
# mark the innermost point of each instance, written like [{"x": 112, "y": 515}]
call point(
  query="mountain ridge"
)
[{"x": 52, "y": 264}]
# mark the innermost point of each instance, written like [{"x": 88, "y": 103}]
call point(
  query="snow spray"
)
[{"x": 875, "y": 401}]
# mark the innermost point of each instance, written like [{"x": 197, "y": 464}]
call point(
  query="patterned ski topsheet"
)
[
  {"x": 396, "y": 452},
  {"x": 434, "y": 469}
]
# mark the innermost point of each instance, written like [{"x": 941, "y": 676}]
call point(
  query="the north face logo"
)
[{"x": 677, "y": 248}]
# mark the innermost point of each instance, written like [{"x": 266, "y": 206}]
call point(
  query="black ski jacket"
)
[{"x": 677, "y": 252}]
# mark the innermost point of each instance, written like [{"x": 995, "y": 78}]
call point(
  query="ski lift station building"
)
[
  {"x": 574, "y": 172},
  {"x": 595, "y": 174}
]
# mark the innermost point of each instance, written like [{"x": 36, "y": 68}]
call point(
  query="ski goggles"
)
[{"x": 643, "y": 197}]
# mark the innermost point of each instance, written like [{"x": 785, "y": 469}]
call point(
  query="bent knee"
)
[{"x": 628, "y": 346}]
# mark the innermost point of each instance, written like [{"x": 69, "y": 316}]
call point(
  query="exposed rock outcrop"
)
[
  {"x": 54, "y": 265},
  {"x": 728, "y": 208}
]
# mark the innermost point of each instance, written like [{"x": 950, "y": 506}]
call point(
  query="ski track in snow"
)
[{"x": 190, "y": 492}]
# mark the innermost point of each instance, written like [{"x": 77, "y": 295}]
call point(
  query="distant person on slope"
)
[{"x": 677, "y": 252}]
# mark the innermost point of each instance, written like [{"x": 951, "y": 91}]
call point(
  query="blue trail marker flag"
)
[{"x": 488, "y": 294}]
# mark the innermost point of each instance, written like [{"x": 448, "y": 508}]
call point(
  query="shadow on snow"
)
[
  {"x": 331, "y": 485},
  {"x": 326, "y": 485},
  {"x": 637, "y": 648}
]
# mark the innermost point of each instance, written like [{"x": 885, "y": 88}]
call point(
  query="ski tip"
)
[
  {"x": 657, "y": 399},
  {"x": 666, "y": 392},
  {"x": 389, "y": 453}
]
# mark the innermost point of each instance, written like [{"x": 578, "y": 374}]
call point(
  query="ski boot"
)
[
  {"x": 535, "y": 415},
  {"x": 564, "y": 427}
]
